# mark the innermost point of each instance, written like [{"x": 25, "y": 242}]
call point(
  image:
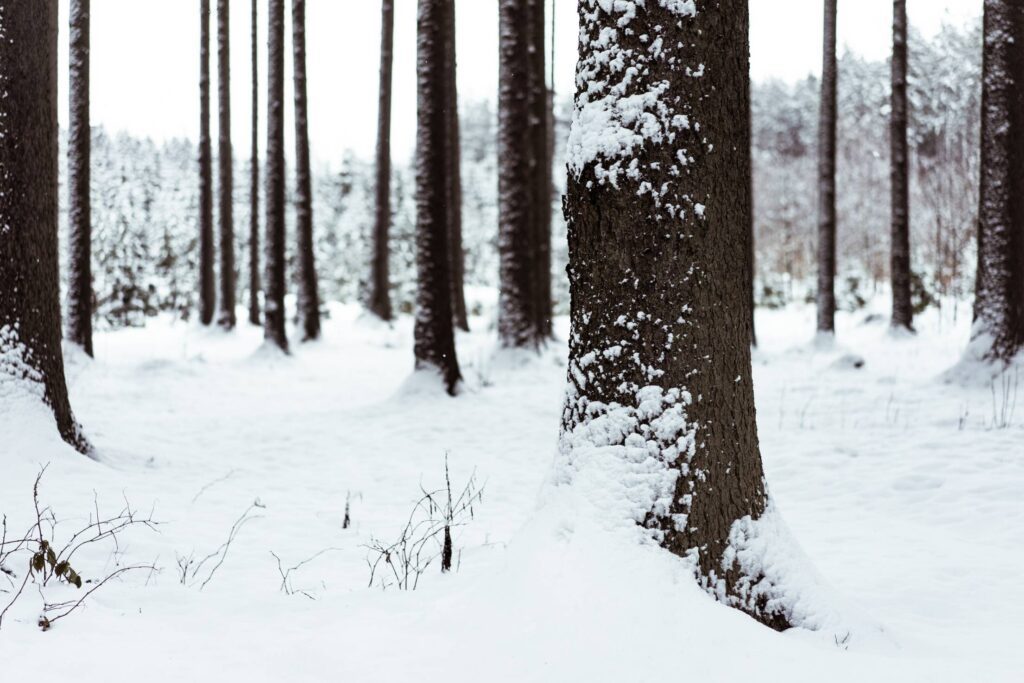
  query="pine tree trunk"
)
[
  {"x": 999, "y": 292},
  {"x": 517, "y": 301},
  {"x": 456, "y": 256},
  {"x": 207, "y": 285},
  {"x": 227, "y": 178},
  {"x": 254, "y": 182},
  {"x": 540, "y": 115},
  {"x": 827, "y": 178},
  {"x": 309, "y": 298},
  {"x": 379, "y": 301},
  {"x": 30, "y": 326},
  {"x": 658, "y": 218},
  {"x": 79, "y": 314},
  {"x": 902, "y": 310},
  {"x": 434, "y": 337},
  {"x": 274, "y": 256}
]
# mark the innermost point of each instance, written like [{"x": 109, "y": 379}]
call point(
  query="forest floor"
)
[{"x": 905, "y": 492}]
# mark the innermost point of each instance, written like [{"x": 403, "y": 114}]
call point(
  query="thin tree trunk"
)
[
  {"x": 79, "y": 314},
  {"x": 517, "y": 301},
  {"x": 999, "y": 292},
  {"x": 309, "y": 297},
  {"x": 434, "y": 345},
  {"x": 30, "y": 326},
  {"x": 902, "y": 310},
  {"x": 658, "y": 261},
  {"x": 380, "y": 287},
  {"x": 540, "y": 117},
  {"x": 827, "y": 178},
  {"x": 207, "y": 285},
  {"x": 456, "y": 256},
  {"x": 274, "y": 256},
  {"x": 227, "y": 178},
  {"x": 254, "y": 182}
]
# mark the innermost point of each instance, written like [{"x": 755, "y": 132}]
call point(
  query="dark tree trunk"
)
[
  {"x": 79, "y": 314},
  {"x": 309, "y": 297},
  {"x": 227, "y": 177},
  {"x": 274, "y": 285},
  {"x": 659, "y": 243},
  {"x": 30, "y": 329},
  {"x": 827, "y": 178},
  {"x": 207, "y": 285},
  {"x": 254, "y": 182},
  {"x": 456, "y": 257},
  {"x": 434, "y": 337},
  {"x": 902, "y": 310},
  {"x": 540, "y": 117},
  {"x": 999, "y": 292},
  {"x": 379, "y": 301},
  {"x": 517, "y": 305}
]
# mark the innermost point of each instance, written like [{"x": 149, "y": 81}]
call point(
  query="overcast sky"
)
[{"x": 145, "y": 60}]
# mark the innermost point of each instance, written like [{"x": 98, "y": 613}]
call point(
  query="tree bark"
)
[
  {"x": 79, "y": 314},
  {"x": 379, "y": 301},
  {"x": 456, "y": 256},
  {"x": 254, "y": 181},
  {"x": 207, "y": 285},
  {"x": 309, "y": 297},
  {"x": 517, "y": 191},
  {"x": 274, "y": 256},
  {"x": 226, "y": 319},
  {"x": 434, "y": 345},
  {"x": 902, "y": 309},
  {"x": 658, "y": 209},
  {"x": 999, "y": 292},
  {"x": 826, "y": 296},
  {"x": 541, "y": 176},
  {"x": 30, "y": 325}
]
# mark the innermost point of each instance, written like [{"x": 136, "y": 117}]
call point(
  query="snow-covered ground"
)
[{"x": 906, "y": 493}]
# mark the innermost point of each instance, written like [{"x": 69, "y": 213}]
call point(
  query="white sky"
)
[{"x": 145, "y": 61}]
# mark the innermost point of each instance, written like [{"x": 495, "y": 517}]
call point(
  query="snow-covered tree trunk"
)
[
  {"x": 540, "y": 116},
  {"x": 30, "y": 325},
  {"x": 826, "y": 296},
  {"x": 456, "y": 256},
  {"x": 254, "y": 179},
  {"x": 309, "y": 297},
  {"x": 79, "y": 297},
  {"x": 434, "y": 345},
  {"x": 379, "y": 300},
  {"x": 517, "y": 302},
  {"x": 902, "y": 310},
  {"x": 226, "y": 188},
  {"x": 999, "y": 292},
  {"x": 207, "y": 285},
  {"x": 274, "y": 255},
  {"x": 658, "y": 210}
]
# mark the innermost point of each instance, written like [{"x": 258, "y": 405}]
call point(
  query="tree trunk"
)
[
  {"x": 434, "y": 337},
  {"x": 254, "y": 182},
  {"x": 902, "y": 310},
  {"x": 456, "y": 257},
  {"x": 999, "y": 292},
  {"x": 274, "y": 285},
  {"x": 380, "y": 287},
  {"x": 227, "y": 178},
  {"x": 207, "y": 286},
  {"x": 30, "y": 326},
  {"x": 79, "y": 314},
  {"x": 658, "y": 210},
  {"x": 517, "y": 301},
  {"x": 309, "y": 298},
  {"x": 827, "y": 178},
  {"x": 541, "y": 176}
]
